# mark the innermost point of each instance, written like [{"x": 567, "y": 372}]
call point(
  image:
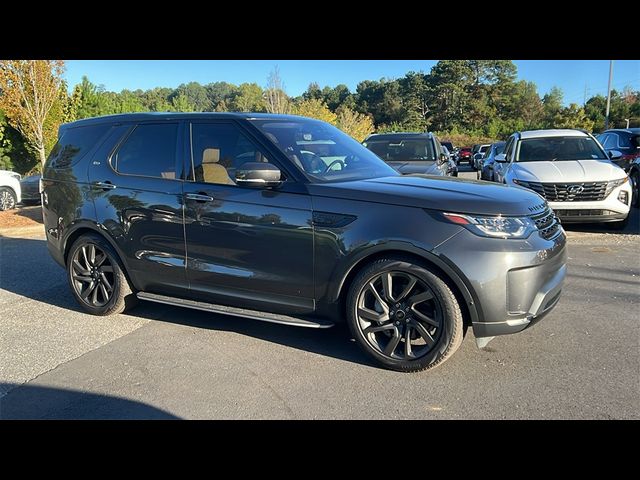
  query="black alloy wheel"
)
[{"x": 404, "y": 315}]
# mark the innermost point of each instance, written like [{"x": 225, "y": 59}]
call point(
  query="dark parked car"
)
[
  {"x": 30, "y": 190},
  {"x": 464, "y": 155},
  {"x": 286, "y": 219},
  {"x": 487, "y": 163},
  {"x": 624, "y": 140},
  {"x": 410, "y": 152}
]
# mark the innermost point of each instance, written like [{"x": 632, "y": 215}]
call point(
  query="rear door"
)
[{"x": 137, "y": 194}]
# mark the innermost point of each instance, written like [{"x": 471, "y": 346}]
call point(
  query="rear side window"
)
[
  {"x": 149, "y": 151},
  {"x": 74, "y": 144}
]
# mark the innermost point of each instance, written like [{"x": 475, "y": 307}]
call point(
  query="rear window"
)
[
  {"x": 403, "y": 150},
  {"x": 149, "y": 151},
  {"x": 628, "y": 140},
  {"x": 74, "y": 144}
]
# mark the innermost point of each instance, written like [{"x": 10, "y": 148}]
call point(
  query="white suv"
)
[
  {"x": 570, "y": 169},
  {"x": 10, "y": 191}
]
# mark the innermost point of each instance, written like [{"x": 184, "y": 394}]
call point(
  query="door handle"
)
[
  {"x": 199, "y": 197},
  {"x": 104, "y": 185}
]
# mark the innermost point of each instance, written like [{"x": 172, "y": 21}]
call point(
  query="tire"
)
[
  {"x": 8, "y": 199},
  {"x": 635, "y": 190},
  {"x": 619, "y": 226},
  {"x": 121, "y": 296},
  {"x": 431, "y": 299}
]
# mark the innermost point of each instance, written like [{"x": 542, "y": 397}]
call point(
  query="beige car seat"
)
[{"x": 212, "y": 171}]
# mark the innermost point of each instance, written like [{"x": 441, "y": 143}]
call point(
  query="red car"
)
[{"x": 464, "y": 155}]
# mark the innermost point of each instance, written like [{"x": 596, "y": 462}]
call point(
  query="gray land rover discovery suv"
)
[{"x": 288, "y": 220}]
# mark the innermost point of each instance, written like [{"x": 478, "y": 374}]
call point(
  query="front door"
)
[
  {"x": 138, "y": 199},
  {"x": 246, "y": 246}
]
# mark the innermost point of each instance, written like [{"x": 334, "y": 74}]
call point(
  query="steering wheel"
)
[{"x": 335, "y": 162}]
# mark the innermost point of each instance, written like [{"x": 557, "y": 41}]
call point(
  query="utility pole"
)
[
  {"x": 606, "y": 116},
  {"x": 584, "y": 101}
]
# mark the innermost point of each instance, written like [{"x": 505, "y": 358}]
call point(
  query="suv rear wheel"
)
[
  {"x": 97, "y": 278},
  {"x": 7, "y": 199},
  {"x": 403, "y": 315}
]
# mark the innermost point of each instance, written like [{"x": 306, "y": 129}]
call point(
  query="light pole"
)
[
  {"x": 627, "y": 120},
  {"x": 606, "y": 116}
]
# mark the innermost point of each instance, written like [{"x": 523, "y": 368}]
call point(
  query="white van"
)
[{"x": 571, "y": 170}]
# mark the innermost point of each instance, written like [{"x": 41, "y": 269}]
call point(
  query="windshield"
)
[
  {"x": 397, "y": 149},
  {"x": 552, "y": 149},
  {"x": 322, "y": 151}
]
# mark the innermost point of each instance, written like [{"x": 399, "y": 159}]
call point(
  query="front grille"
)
[
  {"x": 571, "y": 192},
  {"x": 547, "y": 223}
]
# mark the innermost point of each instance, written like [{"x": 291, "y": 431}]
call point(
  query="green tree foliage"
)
[
  {"x": 572, "y": 116},
  {"x": 466, "y": 101},
  {"x": 5, "y": 145},
  {"x": 249, "y": 97}
]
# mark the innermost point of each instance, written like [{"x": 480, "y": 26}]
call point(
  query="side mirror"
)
[
  {"x": 443, "y": 159},
  {"x": 502, "y": 158},
  {"x": 615, "y": 154},
  {"x": 258, "y": 174}
]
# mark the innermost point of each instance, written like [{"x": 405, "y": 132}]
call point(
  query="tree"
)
[
  {"x": 5, "y": 146},
  {"x": 315, "y": 108},
  {"x": 276, "y": 98},
  {"x": 248, "y": 98},
  {"x": 181, "y": 103},
  {"x": 572, "y": 116},
  {"x": 29, "y": 89},
  {"x": 196, "y": 95},
  {"x": 353, "y": 123},
  {"x": 552, "y": 105}
]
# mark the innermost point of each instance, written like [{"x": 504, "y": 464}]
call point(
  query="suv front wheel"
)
[
  {"x": 404, "y": 315},
  {"x": 97, "y": 277}
]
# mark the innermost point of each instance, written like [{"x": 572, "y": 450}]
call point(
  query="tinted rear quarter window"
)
[
  {"x": 149, "y": 150},
  {"x": 74, "y": 144}
]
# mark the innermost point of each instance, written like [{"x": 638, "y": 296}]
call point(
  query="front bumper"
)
[{"x": 514, "y": 283}]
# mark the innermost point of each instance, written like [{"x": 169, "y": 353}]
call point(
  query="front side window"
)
[
  {"x": 149, "y": 151},
  {"x": 552, "y": 149},
  {"x": 74, "y": 144},
  {"x": 323, "y": 152},
  {"x": 218, "y": 150}
]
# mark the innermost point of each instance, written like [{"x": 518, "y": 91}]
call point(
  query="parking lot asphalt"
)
[{"x": 581, "y": 362}]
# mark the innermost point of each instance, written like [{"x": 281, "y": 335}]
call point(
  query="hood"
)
[
  {"x": 567, "y": 171},
  {"x": 448, "y": 194},
  {"x": 422, "y": 166}
]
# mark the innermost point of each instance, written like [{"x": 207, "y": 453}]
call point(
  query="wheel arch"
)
[
  {"x": 449, "y": 273},
  {"x": 88, "y": 227}
]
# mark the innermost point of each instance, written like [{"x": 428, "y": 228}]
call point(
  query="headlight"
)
[
  {"x": 496, "y": 227},
  {"x": 616, "y": 183}
]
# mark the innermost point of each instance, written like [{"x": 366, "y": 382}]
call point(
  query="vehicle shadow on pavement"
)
[
  {"x": 335, "y": 342},
  {"x": 35, "y": 402},
  {"x": 24, "y": 274}
]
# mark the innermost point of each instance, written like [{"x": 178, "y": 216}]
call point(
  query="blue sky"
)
[{"x": 570, "y": 75}]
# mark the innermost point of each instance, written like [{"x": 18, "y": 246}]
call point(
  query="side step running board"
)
[{"x": 236, "y": 312}]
